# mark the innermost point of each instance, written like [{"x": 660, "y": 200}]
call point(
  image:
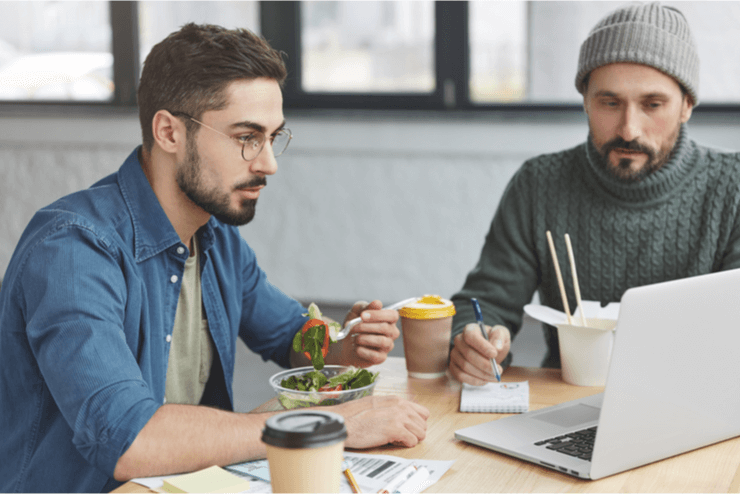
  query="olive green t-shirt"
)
[{"x": 191, "y": 347}]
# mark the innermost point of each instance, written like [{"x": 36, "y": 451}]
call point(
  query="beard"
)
[
  {"x": 213, "y": 201},
  {"x": 623, "y": 170}
]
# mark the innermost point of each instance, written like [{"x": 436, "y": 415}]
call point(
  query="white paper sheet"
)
[{"x": 372, "y": 472}]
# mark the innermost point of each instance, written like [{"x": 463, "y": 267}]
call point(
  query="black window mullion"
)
[
  {"x": 125, "y": 28},
  {"x": 452, "y": 54},
  {"x": 280, "y": 25}
]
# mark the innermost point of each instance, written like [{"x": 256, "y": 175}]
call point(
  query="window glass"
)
[
  {"x": 716, "y": 28},
  {"x": 368, "y": 47},
  {"x": 557, "y": 30},
  {"x": 55, "y": 51},
  {"x": 553, "y": 32},
  {"x": 159, "y": 19},
  {"x": 498, "y": 51}
]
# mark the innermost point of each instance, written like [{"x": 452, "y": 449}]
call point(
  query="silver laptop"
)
[{"x": 672, "y": 386}]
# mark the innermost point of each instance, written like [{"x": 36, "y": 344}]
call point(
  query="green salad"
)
[
  {"x": 314, "y": 339},
  {"x": 316, "y": 381},
  {"x": 323, "y": 391}
]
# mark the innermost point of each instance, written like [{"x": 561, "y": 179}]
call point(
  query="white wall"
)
[{"x": 365, "y": 204}]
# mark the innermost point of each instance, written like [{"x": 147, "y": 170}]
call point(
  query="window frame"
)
[
  {"x": 275, "y": 16},
  {"x": 124, "y": 47},
  {"x": 281, "y": 26}
]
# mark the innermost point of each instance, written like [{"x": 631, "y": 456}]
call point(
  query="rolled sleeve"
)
[{"x": 75, "y": 301}]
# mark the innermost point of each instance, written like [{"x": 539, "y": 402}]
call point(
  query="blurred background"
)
[{"x": 409, "y": 119}]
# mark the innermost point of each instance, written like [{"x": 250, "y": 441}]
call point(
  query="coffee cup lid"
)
[
  {"x": 428, "y": 307},
  {"x": 304, "y": 429}
]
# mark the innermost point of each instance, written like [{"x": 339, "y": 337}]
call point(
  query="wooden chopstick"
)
[
  {"x": 559, "y": 276},
  {"x": 575, "y": 278}
]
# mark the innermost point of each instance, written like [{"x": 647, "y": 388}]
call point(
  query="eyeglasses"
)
[{"x": 252, "y": 143}]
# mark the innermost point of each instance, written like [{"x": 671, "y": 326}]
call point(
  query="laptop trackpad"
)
[{"x": 570, "y": 416}]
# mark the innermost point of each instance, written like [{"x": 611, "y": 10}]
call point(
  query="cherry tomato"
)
[
  {"x": 327, "y": 387},
  {"x": 317, "y": 322}
]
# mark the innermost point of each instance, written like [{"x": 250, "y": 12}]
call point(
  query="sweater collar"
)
[{"x": 655, "y": 186}]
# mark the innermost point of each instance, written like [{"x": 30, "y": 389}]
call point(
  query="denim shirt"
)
[{"x": 87, "y": 309}]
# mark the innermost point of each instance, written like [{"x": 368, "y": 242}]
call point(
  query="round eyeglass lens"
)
[
  {"x": 252, "y": 146},
  {"x": 280, "y": 144}
]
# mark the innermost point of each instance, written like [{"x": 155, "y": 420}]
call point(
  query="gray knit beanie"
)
[{"x": 649, "y": 34}]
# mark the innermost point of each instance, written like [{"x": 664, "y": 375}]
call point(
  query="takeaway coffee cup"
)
[
  {"x": 585, "y": 351},
  {"x": 305, "y": 450},
  {"x": 426, "y": 325}
]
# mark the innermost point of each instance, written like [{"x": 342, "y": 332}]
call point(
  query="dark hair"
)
[{"x": 189, "y": 70}]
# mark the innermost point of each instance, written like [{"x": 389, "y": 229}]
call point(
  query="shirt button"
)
[
  {"x": 181, "y": 250},
  {"x": 165, "y": 400},
  {"x": 173, "y": 278},
  {"x": 168, "y": 338}
]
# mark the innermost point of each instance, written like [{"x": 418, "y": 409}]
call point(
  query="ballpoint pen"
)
[{"x": 479, "y": 319}]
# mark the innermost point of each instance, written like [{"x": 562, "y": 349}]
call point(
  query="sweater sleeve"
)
[
  {"x": 731, "y": 256},
  {"x": 507, "y": 273}
]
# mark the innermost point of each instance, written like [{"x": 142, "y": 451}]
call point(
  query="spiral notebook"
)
[{"x": 495, "y": 398}]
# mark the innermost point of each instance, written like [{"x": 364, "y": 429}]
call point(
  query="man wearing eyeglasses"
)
[
  {"x": 122, "y": 303},
  {"x": 641, "y": 201}
]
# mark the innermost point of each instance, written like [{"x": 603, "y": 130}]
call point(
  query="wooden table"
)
[{"x": 715, "y": 468}]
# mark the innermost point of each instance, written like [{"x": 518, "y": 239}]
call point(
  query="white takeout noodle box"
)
[
  {"x": 585, "y": 351},
  {"x": 591, "y": 308}
]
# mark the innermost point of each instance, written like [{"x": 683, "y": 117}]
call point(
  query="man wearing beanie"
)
[{"x": 641, "y": 201}]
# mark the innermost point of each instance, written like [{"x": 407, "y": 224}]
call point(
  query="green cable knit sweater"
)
[{"x": 680, "y": 221}]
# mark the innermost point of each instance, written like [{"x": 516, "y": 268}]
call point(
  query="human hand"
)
[
  {"x": 470, "y": 358},
  {"x": 369, "y": 342},
  {"x": 378, "y": 420}
]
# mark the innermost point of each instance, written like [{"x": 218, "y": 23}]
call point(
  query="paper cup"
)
[
  {"x": 305, "y": 450},
  {"x": 585, "y": 351},
  {"x": 426, "y": 326}
]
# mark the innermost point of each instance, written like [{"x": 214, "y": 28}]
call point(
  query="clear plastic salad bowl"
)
[{"x": 291, "y": 398}]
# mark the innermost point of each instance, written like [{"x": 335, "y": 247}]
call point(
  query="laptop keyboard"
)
[{"x": 579, "y": 444}]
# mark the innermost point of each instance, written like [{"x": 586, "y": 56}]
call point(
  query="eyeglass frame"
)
[{"x": 237, "y": 139}]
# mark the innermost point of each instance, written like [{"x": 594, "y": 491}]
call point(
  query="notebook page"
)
[{"x": 507, "y": 397}]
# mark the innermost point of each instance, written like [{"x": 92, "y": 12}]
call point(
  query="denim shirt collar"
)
[{"x": 153, "y": 231}]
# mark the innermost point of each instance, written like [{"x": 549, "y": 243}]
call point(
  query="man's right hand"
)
[
  {"x": 470, "y": 358},
  {"x": 378, "y": 420},
  {"x": 185, "y": 438}
]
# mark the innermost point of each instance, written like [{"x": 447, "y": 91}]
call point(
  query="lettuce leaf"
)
[{"x": 354, "y": 378}]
